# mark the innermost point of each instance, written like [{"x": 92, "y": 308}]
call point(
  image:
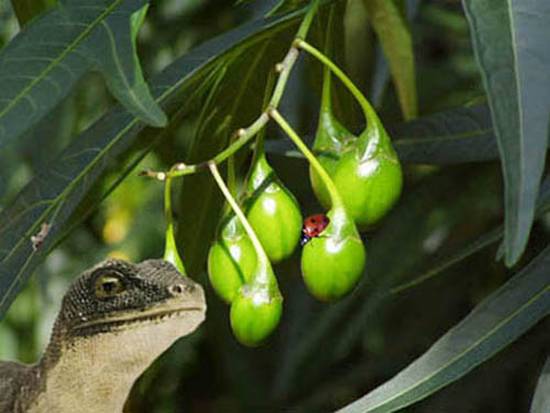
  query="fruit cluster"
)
[{"x": 357, "y": 179}]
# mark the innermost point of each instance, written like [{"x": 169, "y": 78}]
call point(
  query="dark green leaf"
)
[
  {"x": 395, "y": 38},
  {"x": 52, "y": 196},
  {"x": 483, "y": 241},
  {"x": 455, "y": 136},
  {"x": 43, "y": 62},
  {"x": 499, "y": 320},
  {"x": 541, "y": 399},
  {"x": 510, "y": 40}
]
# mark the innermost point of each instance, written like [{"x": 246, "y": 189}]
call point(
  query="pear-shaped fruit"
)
[
  {"x": 272, "y": 211},
  {"x": 255, "y": 313},
  {"x": 334, "y": 261},
  {"x": 365, "y": 169},
  {"x": 231, "y": 259},
  {"x": 369, "y": 185}
]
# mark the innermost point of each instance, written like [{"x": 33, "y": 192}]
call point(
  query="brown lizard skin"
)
[{"x": 114, "y": 321}]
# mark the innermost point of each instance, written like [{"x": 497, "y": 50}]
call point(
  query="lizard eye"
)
[{"x": 108, "y": 285}]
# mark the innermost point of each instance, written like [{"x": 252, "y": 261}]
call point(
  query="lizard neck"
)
[{"x": 96, "y": 373}]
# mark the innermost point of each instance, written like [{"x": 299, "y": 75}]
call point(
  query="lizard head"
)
[{"x": 117, "y": 303}]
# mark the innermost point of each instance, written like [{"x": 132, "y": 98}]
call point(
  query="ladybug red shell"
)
[{"x": 313, "y": 226}]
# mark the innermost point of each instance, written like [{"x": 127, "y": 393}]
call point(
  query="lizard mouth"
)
[{"x": 128, "y": 321}]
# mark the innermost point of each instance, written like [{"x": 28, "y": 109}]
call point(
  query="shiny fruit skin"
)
[
  {"x": 331, "y": 140},
  {"x": 231, "y": 262},
  {"x": 272, "y": 211},
  {"x": 255, "y": 314},
  {"x": 331, "y": 267},
  {"x": 277, "y": 220},
  {"x": 369, "y": 188}
]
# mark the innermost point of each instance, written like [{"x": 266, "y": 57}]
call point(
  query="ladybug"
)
[{"x": 312, "y": 227}]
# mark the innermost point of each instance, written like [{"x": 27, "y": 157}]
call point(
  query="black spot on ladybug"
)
[{"x": 312, "y": 227}]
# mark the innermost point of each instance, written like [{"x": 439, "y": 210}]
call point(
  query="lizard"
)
[{"x": 115, "y": 320}]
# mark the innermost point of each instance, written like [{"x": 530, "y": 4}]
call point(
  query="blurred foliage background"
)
[{"x": 322, "y": 356}]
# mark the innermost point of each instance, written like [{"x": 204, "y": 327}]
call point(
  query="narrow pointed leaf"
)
[
  {"x": 394, "y": 35},
  {"x": 43, "y": 62},
  {"x": 119, "y": 64},
  {"x": 496, "y": 322},
  {"x": 510, "y": 39}
]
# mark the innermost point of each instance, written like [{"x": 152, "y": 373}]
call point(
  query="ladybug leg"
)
[{"x": 304, "y": 239}]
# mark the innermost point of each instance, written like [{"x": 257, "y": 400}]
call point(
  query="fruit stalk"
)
[
  {"x": 335, "y": 197},
  {"x": 170, "y": 250},
  {"x": 372, "y": 118},
  {"x": 243, "y": 135},
  {"x": 263, "y": 261}
]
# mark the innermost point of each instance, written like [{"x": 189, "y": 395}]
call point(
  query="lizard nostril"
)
[{"x": 176, "y": 289}]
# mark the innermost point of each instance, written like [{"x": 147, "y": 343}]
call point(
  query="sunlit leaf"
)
[
  {"x": 510, "y": 40},
  {"x": 395, "y": 38}
]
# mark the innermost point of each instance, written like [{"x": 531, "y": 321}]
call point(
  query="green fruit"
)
[
  {"x": 368, "y": 176},
  {"x": 365, "y": 169},
  {"x": 231, "y": 260},
  {"x": 333, "y": 263},
  {"x": 370, "y": 187},
  {"x": 255, "y": 313},
  {"x": 273, "y": 212}
]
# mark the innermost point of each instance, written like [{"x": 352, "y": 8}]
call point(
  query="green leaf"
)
[
  {"x": 543, "y": 205},
  {"x": 394, "y": 35},
  {"x": 455, "y": 136},
  {"x": 381, "y": 72},
  {"x": 25, "y": 10},
  {"x": 496, "y": 322},
  {"x": 510, "y": 41},
  {"x": 541, "y": 399},
  {"x": 75, "y": 37},
  {"x": 481, "y": 242},
  {"x": 53, "y": 194}
]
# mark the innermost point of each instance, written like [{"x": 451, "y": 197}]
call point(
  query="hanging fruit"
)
[
  {"x": 231, "y": 259},
  {"x": 272, "y": 210},
  {"x": 171, "y": 253},
  {"x": 257, "y": 308},
  {"x": 365, "y": 169},
  {"x": 257, "y": 305},
  {"x": 334, "y": 260}
]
